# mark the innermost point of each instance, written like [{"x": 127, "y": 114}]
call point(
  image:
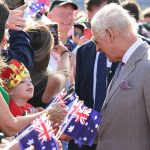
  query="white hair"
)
[{"x": 114, "y": 16}]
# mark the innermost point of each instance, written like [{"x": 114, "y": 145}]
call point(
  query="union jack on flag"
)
[
  {"x": 46, "y": 2},
  {"x": 67, "y": 101},
  {"x": 80, "y": 112},
  {"x": 39, "y": 135},
  {"x": 60, "y": 97},
  {"x": 43, "y": 126}
]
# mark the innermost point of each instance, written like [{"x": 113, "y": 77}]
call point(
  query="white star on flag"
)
[
  {"x": 85, "y": 138},
  {"x": 95, "y": 117},
  {"x": 30, "y": 142},
  {"x": 70, "y": 129},
  {"x": 86, "y": 124},
  {"x": 96, "y": 126}
]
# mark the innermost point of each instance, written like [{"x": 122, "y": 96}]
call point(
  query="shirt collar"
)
[{"x": 131, "y": 50}]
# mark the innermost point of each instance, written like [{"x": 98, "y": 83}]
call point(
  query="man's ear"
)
[{"x": 110, "y": 35}]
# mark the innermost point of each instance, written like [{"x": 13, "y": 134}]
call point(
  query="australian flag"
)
[
  {"x": 65, "y": 98},
  {"x": 39, "y": 135},
  {"x": 81, "y": 123}
]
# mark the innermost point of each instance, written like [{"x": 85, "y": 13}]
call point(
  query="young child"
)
[{"x": 17, "y": 82}]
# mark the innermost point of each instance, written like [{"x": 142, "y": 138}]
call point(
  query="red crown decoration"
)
[{"x": 13, "y": 73}]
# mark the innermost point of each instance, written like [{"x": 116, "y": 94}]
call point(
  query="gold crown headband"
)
[{"x": 13, "y": 74}]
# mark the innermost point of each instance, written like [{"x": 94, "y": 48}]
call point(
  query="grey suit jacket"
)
[{"x": 126, "y": 110}]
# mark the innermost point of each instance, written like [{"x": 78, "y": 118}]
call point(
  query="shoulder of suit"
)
[
  {"x": 89, "y": 44},
  {"x": 145, "y": 39}
]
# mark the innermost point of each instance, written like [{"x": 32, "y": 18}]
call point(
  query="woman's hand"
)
[{"x": 60, "y": 48}]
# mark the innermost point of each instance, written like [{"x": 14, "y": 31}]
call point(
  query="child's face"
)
[{"x": 24, "y": 90}]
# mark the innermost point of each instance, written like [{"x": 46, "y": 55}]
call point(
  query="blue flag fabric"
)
[
  {"x": 39, "y": 135},
  {"x": 35, "y": 7}
]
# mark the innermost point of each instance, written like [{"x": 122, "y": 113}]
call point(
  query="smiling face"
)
[
  {"x": 22, "y": 91},
  {"x": 64, "y": 16}
]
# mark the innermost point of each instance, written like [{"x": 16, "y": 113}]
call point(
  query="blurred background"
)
[{"x": 143, "y": 3}]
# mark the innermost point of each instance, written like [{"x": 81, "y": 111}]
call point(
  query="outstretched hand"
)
[{"x": 57, "y": 112}]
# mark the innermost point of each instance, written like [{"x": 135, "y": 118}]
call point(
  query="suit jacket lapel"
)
[{"x": 126, "y": 70}]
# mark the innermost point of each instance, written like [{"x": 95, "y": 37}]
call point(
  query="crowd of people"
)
[{"x": 101, "y": 52}]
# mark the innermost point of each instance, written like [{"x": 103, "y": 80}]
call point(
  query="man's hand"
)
[{"x": 57, "y": 112}]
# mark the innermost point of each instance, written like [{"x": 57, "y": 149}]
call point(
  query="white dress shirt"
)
[
  {"x": 131, "y": 50},
  {"x": 95, "y": 73}
]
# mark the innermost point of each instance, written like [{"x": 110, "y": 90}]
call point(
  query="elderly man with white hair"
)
[{"x": 125, "y": 123}]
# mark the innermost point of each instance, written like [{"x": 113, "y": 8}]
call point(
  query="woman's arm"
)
[
  {"x": 58, "y": 80},
  {"x": 10, "y": 125}
]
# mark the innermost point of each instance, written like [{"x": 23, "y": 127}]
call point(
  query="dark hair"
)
[
  {"x": 4, "y": 13},
  {"x": 89, "y": 4},
  {"x": 81, "y": 27},
  {"x": 133, "y": 8}
]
